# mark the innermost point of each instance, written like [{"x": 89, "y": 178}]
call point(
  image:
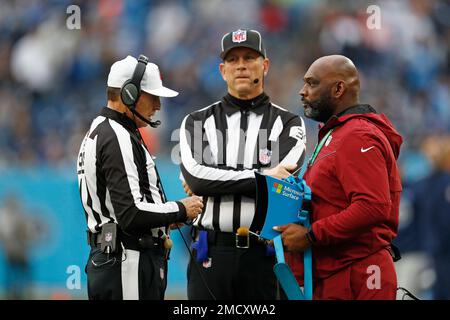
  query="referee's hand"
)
[
  {"x": 280, "y": 171},
  {"x": 193, "y": 205}
]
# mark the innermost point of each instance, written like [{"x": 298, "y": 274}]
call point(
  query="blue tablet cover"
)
[{"x": 277, "y": 203}]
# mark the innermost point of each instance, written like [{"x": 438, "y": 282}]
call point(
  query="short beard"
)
[{"x": 319, "y": 110}]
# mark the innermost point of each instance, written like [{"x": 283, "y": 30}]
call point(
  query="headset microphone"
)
[
  {"x": 256, "y": 81},
  {"x": 131, "y": 90},
  {"x": 153, "y": 124}
]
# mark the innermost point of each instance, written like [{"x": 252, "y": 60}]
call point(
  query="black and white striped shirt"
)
[
  {"x": 224, "y": 144},
  {"x": 118, "y": 181}
]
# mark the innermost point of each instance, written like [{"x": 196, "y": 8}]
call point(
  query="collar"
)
[
  {"x": 257, "y": 105},
  {"x": 357, "y": 109},
  {"x": 342, "y": 116},
  {"x": 119, "y": 117}
]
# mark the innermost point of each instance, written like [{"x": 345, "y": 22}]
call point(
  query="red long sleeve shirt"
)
[{"x": 356, "y": 188}]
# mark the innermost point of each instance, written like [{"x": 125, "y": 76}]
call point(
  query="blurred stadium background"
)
[{"x": 52, "y": 84}]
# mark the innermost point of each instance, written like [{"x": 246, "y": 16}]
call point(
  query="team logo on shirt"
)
[
  {"x": 264, "y": 156},
  {"x": 239, "y": 36},
  {"x": 108, "y": 236}
]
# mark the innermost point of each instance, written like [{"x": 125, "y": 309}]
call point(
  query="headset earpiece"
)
[
  {"x": 129, "y": 94},
  {"x": 131, "y": 89}
]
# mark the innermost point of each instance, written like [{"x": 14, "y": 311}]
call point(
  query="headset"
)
[{"x": 131, "y": 90}]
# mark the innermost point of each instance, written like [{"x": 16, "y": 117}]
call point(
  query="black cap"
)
[{"x": 242, "y": 38}]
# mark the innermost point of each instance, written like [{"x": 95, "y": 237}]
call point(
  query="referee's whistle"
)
[
  {"x": 168, "y": 243},
  {"x": 242, "y": 238}
]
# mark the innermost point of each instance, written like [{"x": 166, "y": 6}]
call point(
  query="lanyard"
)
[
  {"x": 282, "y": 271},
  {"x": 318, "y": 148}
]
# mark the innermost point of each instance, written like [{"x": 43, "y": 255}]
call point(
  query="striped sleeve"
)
[
  {"x": 209, "y": 180},
  {"x": 118, "y": 154},
  {"x": 292, "y": 142}
]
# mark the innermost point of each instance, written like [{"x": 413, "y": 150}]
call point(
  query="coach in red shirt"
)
[{"x": 356, "y": 188}]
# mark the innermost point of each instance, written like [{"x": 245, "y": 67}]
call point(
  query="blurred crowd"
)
[
  {"x": 19, "y": 233},
  {"x": 53, "y": 78}
]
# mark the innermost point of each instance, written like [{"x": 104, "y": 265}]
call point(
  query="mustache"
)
[{"x": 308, "y": 103}]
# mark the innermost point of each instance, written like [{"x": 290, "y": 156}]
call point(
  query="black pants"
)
[
  {"x": 127, "y": 275},
  {"x": 234, "y": 274}
]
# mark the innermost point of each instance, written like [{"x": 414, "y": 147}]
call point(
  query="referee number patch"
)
[{"x": 297, "y": 132}]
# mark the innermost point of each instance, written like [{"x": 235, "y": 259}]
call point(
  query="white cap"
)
[{"x": 122, "y": 71}]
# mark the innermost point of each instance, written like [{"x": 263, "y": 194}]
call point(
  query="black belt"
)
[
  {"x": 129, "y": 242},
  {"x": 228, "y": 239}
]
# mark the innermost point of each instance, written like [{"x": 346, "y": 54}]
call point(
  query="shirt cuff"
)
[
  {"x": 311, "y": 237},
  {"x": 182, "y": 215}
]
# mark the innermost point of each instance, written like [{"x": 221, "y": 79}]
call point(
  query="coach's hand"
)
[
  {"x": 187, "y": 189},
  {"x": 281, "y": 171},
  {"x": 294, "y": 237},
  {"x": 193, "y": 205}
]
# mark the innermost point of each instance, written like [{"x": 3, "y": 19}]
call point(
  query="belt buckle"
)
[{"x": 242, "y": 241}]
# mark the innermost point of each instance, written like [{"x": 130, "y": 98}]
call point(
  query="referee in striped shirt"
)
[
  {"x": 222, "y": 146},
  {"x": 126, "y": 210}
]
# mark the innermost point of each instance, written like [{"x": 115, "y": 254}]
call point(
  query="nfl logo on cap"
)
[
  {"x": 239, "y": 36},
  {"x": 242, "y": 38}
]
